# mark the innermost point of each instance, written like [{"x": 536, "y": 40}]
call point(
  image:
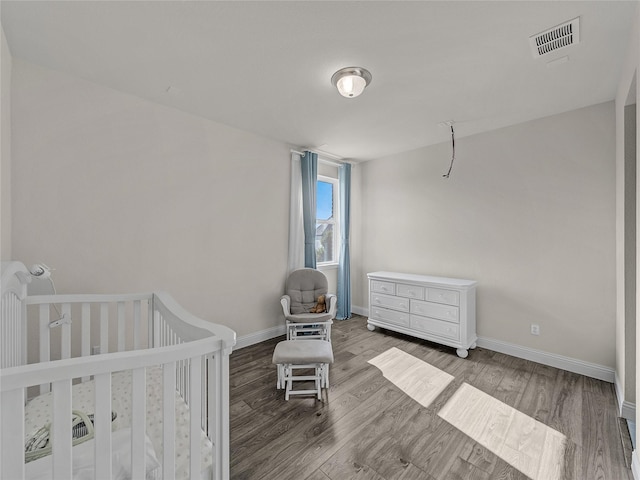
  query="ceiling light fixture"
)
[{"x": 351, "y": 81}]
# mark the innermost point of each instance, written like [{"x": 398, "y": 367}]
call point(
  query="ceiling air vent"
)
[{"x": 555, "y": 38}]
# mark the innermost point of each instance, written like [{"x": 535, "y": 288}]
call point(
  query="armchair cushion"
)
[
  {"x": 304, "y": 286},
  {"x": 332, "y": 305}
]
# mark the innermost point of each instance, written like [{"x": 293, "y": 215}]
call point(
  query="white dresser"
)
[{"x": 439, "y": 309}]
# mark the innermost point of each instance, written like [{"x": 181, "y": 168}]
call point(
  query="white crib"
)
[{"x": 57, "y": 348}]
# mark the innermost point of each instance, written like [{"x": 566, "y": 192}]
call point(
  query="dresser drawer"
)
[
  {"x": 383, "y": 287},
  {"x": 410, "y": 291},
  {"x": 435, "y": 327},
  {"x": 439, "y": 295},
  {"x": 396, "y": 303},
  {"x": 390, "y": 316},
  {"x": 437, "y": 310}
]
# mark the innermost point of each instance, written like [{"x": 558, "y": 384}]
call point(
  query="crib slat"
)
[
  {"x": 44, "y": 341},
  {"x": 23, "y": 315},
  {"x": 3, "y": 330},
  {"x": 204, "y": 390},
  {"x": 136, "y": 325},
  {"x": 11, "y": 418},
  {"x": 9, "y": 325},
  {"x": 85, "y": 347},
  {"x": 215, "y": 412},
  {"x": 156, "y": 330},
  {"x": 195, "y": 370},
  {"x": 65, "y": 339},
  {"x": 220, "y": 429},
  {"x": 211, "y": 402},
  {"x": 102, "y": 422},
  {"x": 61, "y": 429},
  {"x": 168, "y": 415},
  {"x": 138, "y": 422},
  {"x": 6, "y": 333},
  {"x": 121, "y": 331},
  {"x": 150, "y": 324},
  {"x": 22, "y": 308},
  {"x": 104, "y": 328}
]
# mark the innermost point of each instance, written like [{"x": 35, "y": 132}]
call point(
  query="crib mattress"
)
[{"x": 38, "y": 414}]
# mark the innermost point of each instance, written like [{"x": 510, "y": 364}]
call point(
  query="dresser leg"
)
[
  {"x": 462, "y": 352},
  {"x": 370, "y": 327}
]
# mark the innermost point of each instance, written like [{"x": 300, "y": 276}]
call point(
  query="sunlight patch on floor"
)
[
  {"x": 523, "y": 442},
  {"x": 416, "y": 378}
]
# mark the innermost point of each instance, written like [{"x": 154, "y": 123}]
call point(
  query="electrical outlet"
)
[
  {"x": 95, "y": 350},
  {"x": 535, "y": 329}
]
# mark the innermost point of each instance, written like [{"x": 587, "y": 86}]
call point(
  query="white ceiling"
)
[{"x": 265, "y": 67}]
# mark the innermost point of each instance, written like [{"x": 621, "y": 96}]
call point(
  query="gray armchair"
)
[{"x": 302, "y": 290}]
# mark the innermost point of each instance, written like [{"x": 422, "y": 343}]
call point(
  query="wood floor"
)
[{"x": 369, "y": 428}]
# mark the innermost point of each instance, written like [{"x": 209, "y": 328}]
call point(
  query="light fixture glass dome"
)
[{"x": 351, "y": 81}]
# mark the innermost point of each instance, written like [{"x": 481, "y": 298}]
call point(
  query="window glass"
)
[{"x": 326, "y": 221}]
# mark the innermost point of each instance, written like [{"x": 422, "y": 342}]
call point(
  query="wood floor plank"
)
[
  {"x": 536, "y": 400},
  {"x": 480, "y": 456},
  {"x": 601, "y": 457},
  {"x": 414, "y": 473},
  {"x": 377, "y": 447},
  {"x": 327, "y": 442},
  {"x": 317, "y": 475},
  {"x": 567, "y": 399},
  {"x": 351, "y": 461},
  {"x": 368, "y": 428},
  {"x": 517, "y": 375},
  {"x": 463, "y": 470}
]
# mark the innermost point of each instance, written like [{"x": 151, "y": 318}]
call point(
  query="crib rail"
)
[
  {"x": 13, "y": 348},
  {"x": 15, "y": 380},
  {"x": 97, "y": 324},
  {"x": 81, "y": 337}
]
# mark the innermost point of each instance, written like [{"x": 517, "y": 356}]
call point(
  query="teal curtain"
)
[
  {"x": 309, "y": 167},
  {"x": 344, "y": 266}
]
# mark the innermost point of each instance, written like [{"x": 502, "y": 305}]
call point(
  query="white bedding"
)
[
  {"x": 83, "y": 460},
  {"x": 38, "y": 414}
]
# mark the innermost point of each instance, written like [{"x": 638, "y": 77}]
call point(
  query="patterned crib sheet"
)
[{"x": 38, "y": 414}]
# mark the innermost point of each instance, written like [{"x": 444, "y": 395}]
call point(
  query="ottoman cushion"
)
[{"x": 300, "y": 352}]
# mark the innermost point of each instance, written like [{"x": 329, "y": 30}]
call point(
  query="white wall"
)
[
  {"x": 529, "y": 212},
  {"x": 627, "y": 360},
  {"x": 121, "y": 194},
  {"x": 626, "y": 224},
  {"x": 5, "y": 149}
]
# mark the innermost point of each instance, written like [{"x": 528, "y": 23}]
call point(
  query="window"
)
[{"x": 327, "y": 225}]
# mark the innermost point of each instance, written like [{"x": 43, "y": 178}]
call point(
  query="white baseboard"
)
[
  {"x": 593, "y": 370},
  {"x": 635, "y": 465},
  {"x": 360, "y": 311},
  {"x": 574, "y": 365},
  {"x": 261, "y": 336},
  {"x": 545, "y": 358},
  {"x": 628, "y": 411},
  {"x": 273, "y": 332},
  {"x": 625, "y": 409}
]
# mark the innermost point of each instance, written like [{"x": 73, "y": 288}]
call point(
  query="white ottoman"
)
[{"x": 296, "y": 354}]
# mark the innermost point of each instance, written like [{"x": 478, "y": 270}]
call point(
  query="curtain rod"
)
[{"x": 320, "y": 159}]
